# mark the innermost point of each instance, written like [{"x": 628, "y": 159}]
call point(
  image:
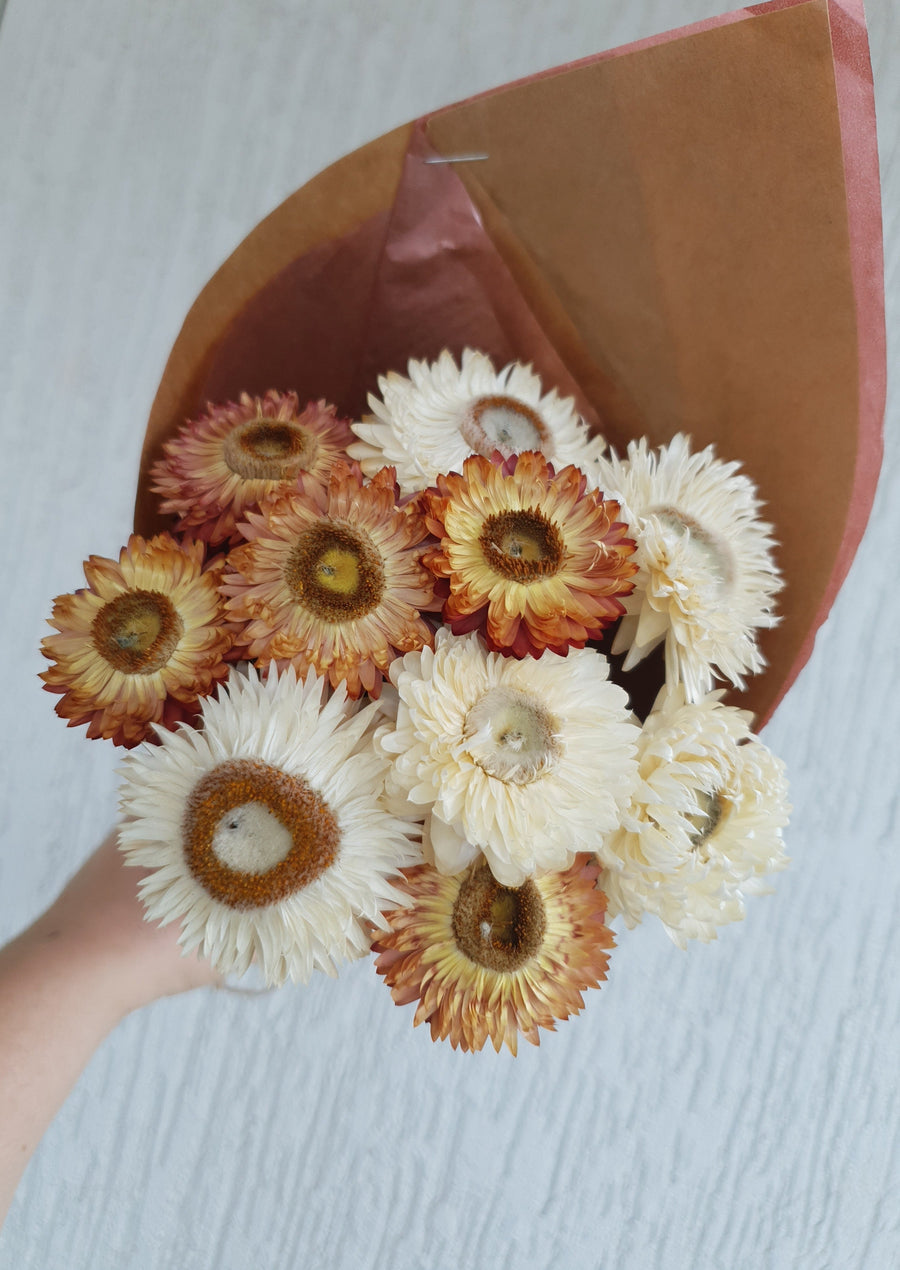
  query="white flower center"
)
[
  {"x": 504, "y": 424},
  {"x": 710, "y": 552},
  {"x": 511, "y": 736},
  {"x": 250, "y": 839}
]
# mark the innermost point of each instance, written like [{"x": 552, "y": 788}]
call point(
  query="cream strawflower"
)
[
  {"x": 430, "y": 422},
  {"x": 528, "y": 761},
  {"x": 264, "y": 830},
  {"x": 704, "y": 827},
  {"x": 708, "y": 578}
]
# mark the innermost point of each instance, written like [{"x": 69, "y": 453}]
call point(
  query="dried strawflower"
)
[
  {"x": 530, "y": 556},
  {"x": 485, "y": 961},
  {"x": 263, "y": 830},
  {"x": 429, "y": 422},
  {"x": 141, "y": 643}
]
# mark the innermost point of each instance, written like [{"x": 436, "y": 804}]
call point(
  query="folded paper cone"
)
[{"x": 685, "y": 234}]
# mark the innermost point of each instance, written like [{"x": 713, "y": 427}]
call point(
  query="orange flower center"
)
[
  {"x": 270, "y": 449},
  {"x": 335, "y": 571},
  {"x": 504, "y": 424},
  {"x": 137, "y": 632},
  {"x": 498, "y": 927},
  {"x": 521, "y": 545},
  {"x": 253, "y": 835}
]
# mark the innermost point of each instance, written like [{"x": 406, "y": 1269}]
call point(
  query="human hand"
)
[
  {"x": 99, "y": 917},
  {"x": 65, "y": 983}
]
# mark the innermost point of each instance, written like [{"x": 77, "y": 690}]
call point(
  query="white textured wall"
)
[{"x": 735, "y": 1106}]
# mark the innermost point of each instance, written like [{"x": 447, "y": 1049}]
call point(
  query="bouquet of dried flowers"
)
[{"x": 446, "y": 682}]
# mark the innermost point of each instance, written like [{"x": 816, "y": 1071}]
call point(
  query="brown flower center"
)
[
  {"x": 499, "y": 927},
  {"x": 335, "y": 571},
  {"x": 521, "y": 545},
  {"x": 504, "y": 424},
  {"x": 511, "y": 736},
  {"x": 711, "y": 552},
  {"x": 137, "y": 632},
  {"x": 253, "y": 835},
  {"x": 270, "y": 449}
]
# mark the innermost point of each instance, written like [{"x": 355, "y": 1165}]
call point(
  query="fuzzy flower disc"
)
[
  {"x": 490, "y": 962},
  {"x": 526, "y": 761},
  {"x": 708, "y": 579},
  {"x": 704, "y": 829},
  {"x": 530, "y": 556},
  {"x": 141, "y": 644},
  {"x": 332, "y": 578},
  {"x": 264, "y": 831},
  {"x": 429, "y": 422},
  {"x": 230, "y": 459}
]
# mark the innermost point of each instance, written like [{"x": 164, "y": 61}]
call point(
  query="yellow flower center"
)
[
  {"x": 498, "y": 927},
  {"x": 523, "y": 546},
  {"x": 270, "y": 449},
  {"x": 504, "y": 424},
  {"x": 708, "y": 550},
  {"x": 335, "y": 571},
  {"x": 137, "y": 632},
  {"x": 253, "y": 835},
  {"x": 511, "y": 736}
]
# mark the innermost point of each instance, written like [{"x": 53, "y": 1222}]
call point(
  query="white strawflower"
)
[
  {"x": 426, "y": 424},
  {"x": 264, "y": 830},
  {"x": 528, "y": 761},
  {"x": 707, "y": 578},
  {"x": 704, "y": 828}
]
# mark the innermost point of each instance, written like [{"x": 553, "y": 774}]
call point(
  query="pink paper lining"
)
[{"x": 406, "y": 284}]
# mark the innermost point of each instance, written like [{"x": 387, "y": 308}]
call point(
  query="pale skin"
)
[{"x": 65, "y": 983}]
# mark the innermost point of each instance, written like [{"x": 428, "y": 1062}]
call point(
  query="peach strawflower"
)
[
  {"x": 230, "y": 459},
  {"x": 490, "y": 962},
  {"x": 531, "y": 556},
  {"x": 332, "y": 578},
  {"x": 141, "y": 644}
]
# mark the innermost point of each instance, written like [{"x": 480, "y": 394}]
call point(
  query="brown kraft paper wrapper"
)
[{"x": 684, "y": 234}]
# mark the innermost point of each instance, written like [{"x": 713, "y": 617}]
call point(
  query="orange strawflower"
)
[
  {"x": 233, "y": 457},
  {"x": 141, "y": 644},
  {"x": 533, "y": 558},
  {"x": 332, "y": 578},
  {"x": 490, "y": 962}
]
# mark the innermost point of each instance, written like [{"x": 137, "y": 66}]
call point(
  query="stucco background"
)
[{"x": 730, "y": 1107}]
